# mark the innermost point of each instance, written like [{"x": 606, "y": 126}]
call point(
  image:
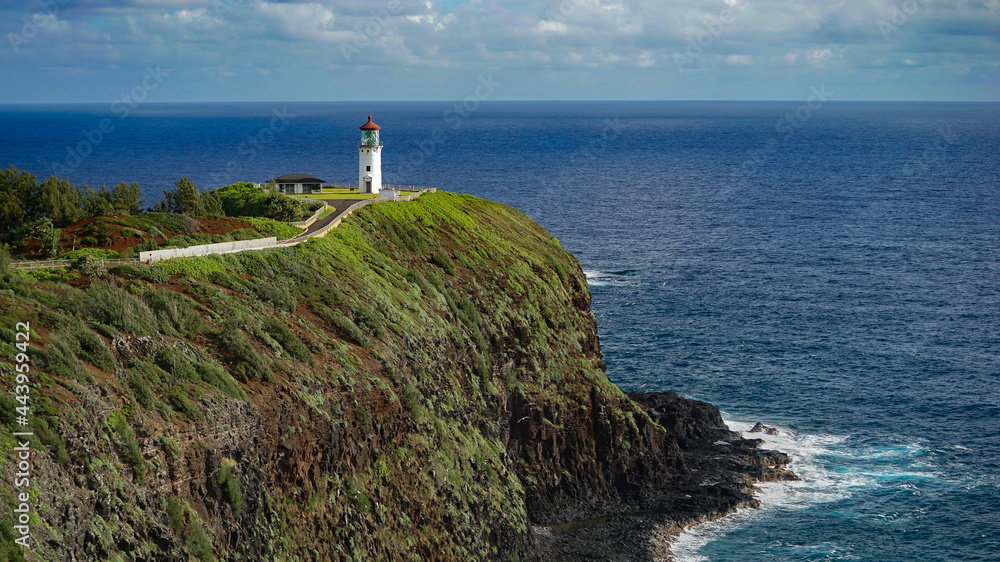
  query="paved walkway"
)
[{"x": 340, "y": 206}]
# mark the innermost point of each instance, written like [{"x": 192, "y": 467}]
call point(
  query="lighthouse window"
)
[{"x": 368, "y": 168}]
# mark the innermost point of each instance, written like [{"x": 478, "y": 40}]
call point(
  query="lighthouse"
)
[{"x": 370, "y": 159}]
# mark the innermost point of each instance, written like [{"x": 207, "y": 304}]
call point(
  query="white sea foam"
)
[
  {"x": 830, "y": 471},
  {"x": 597, "y": 278}
]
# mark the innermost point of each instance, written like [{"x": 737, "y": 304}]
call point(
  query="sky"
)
[{"x": 96, "y": 51}]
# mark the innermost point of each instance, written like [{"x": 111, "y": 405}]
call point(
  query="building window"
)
[{"x": 368, "y": 168}]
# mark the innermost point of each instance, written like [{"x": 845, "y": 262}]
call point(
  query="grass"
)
[
  {"x": 118, "y": 425},
  {"x": 420, "y": 319},
  {"x": 336, "y": 196},
  {"x": 230, "y": 482},
  {"x": 330, "y": 209}
]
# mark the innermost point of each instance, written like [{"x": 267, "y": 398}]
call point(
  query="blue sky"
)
[{"x": 249, "y": 50}]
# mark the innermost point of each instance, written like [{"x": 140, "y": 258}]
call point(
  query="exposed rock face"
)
[
  {"x": 424, "y": 381},
  {"x": 712, "y": 474},
  {"x": 759, "y": 427}
]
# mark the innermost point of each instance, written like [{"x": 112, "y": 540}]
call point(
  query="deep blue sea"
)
[{"x": 832, "y": 269}]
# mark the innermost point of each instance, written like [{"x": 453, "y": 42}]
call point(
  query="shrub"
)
[
  {"x": 344, "y": 325},
  {"x": 443, "y": 260},
  {"x": 175, "y": 513},
  {"x": 142, "y": 393},
  {"x": 366, "y": 319},
  {"x": 176, "y": 364},
  {"x": 95, "y": 252},
  {"x": 281, "y": 334},
  {"x": 245, "y": 234},
  {"x": 198, "y": 541},
  {"x": 412, "y": 401},
  {"x": 115, "y": 307},
  {"x": 151, "y": 273},
  {"x": 117, "y": 423},
  {"x": 276, "y": 292},
  {"x": 177, "y": 398},
  {"x": 249, "y": 364},
  {"x": 230, "y": 483},
  {"x": 90, "y": 267},
  {"x": 49, "y": 238},
  {"x": 381, "y": 470},
  {"x": 244, "y": 200},
  {"x": 219, "y": 378},
  {"x": 268, "y": 227},
  {"x": 201, "y": 267},
  {"x": 92, "y": 349},
  {"x": 176, "y": 312},
  {"x": 60, "y": 359}
]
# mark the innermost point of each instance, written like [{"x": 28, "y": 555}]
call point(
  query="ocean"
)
[{"x": 831, "y": 268}]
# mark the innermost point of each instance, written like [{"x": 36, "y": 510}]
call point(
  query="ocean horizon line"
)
[{"x": 500, "y": 102}]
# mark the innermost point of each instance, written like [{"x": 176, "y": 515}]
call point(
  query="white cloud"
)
[
  {"x": 594, "y": 38},
  {"x": 309, "y": 21}
]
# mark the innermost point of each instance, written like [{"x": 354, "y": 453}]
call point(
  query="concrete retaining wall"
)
[
  {"x": 154, "y": 256},
  {"x": 49, "y": 264},
  {"x": 309, "y": 221}
]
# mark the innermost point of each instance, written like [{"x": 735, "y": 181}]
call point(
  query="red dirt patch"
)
[{"x": 110, "y": 236}]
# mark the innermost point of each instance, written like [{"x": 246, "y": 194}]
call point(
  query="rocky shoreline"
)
[{"x": 717, "y": 477}]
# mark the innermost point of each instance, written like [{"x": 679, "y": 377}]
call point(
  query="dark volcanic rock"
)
[
  {"x": 759, "y": 427},
  {"x": 713, "y": 472}
]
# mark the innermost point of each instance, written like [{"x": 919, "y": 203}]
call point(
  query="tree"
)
[
  {"x": 59, "y": 201},
  {"x": 127, "y": 199},
  {"x": 212, "y": 205},
  {"x": 186, "y": 200},
  {"x": 97, "y": 202},
  {"x": 18, "y": 194},
  {"x": 282, "y": 207},
  {"x": 4, "y": 262},
  {"x": 49, "y": 236}
]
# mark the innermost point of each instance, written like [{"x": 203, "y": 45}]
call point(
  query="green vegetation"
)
[
  {"x": 244, "y": 200},
  {"x": 354, "y": 390},
  {"x": 119, "y": 426},
  {"x": 25, "y": 203},
  {"x": 230, "y": 482},
  {"x": 186, "y": 199},
  {"x": 269, "y": 227}
]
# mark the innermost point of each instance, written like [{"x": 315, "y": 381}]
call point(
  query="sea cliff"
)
[{"x": 425, "y": 382}]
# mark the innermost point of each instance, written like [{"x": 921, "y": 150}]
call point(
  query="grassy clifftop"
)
[{"x": 425, "y": 382}]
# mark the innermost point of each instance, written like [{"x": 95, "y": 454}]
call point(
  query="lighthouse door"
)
[{"x": 368, "y": 185}]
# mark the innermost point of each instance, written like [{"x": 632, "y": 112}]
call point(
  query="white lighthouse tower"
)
[{"x": 370, "y": 159}]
